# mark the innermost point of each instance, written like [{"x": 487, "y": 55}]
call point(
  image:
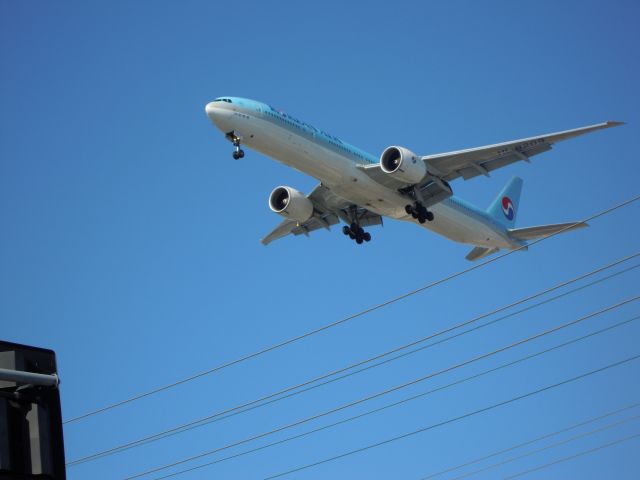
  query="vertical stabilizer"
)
[{"x": 505, "y": 207}]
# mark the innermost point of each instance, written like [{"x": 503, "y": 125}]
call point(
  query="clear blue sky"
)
[{"x": 129, "y": 238}]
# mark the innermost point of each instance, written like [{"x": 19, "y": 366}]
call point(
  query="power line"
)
[
  {"x": 553, "y": 445},
  {"x": 461, "y": 417},
  {"x": 393, "y": 389},
  {"x": 262, "y": 401},
  {"x": 387, "y": 391},
  {"x": 534, "y": 440},
  {"x": 341, "y": 321},
  {"x": 408, "y": 399},
  {"x": 572, "y": 457}
]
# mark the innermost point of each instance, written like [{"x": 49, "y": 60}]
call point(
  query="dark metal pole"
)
[{"x": 29, "y": 378}]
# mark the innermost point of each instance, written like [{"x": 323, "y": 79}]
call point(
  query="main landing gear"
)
[
  {"x": 238, "y": 153},
  {"x": 419, "y": 212},
  {"x": 355, "y": 232}
]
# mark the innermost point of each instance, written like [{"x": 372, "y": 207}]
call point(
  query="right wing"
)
[{"x": 328, "y": 209}]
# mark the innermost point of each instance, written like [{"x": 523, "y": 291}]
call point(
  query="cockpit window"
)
[{"x": 223, "y": 100}]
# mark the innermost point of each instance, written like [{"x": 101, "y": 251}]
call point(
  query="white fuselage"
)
[{"x": 333, "y": 163}]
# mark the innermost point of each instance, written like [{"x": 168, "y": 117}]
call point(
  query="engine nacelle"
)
[
  {"x": 403, "y": 165},
  {"x": 291, "y": 204}
]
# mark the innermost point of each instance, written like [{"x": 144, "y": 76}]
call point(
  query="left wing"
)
[
  {"x": 482, "y": 160},
  {"x": 328, "y": 209},
  {"x": 472, "y": 162}
]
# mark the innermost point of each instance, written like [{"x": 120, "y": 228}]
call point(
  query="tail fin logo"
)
[{"x": 507, "y": 208}]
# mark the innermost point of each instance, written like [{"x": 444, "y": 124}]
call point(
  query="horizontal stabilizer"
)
[
  {"x": 480, "y": 252},
  {"x": 531, "y": 233}
]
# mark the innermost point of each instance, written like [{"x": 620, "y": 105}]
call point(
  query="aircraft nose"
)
[
  {"x": 220, "y": 115},
  {"x": 211, "y": 109}
]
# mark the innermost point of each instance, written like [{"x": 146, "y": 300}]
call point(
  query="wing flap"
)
[{"x": 494, "y": 163}]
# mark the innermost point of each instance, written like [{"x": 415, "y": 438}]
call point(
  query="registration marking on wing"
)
[{"x": 522, "y": 146}]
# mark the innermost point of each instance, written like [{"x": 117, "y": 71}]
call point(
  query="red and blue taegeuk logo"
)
[{"x": 507, "y": 208}]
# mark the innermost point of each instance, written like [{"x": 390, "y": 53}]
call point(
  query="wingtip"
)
[{"x": 614, "y": 123}]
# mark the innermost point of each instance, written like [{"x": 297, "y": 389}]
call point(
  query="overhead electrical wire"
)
[
  {"x": 461, "y": 417},
  {"x": 409, "y": 399},
  {"x": 341, "y": 321},
  {"x": 574, "y": 456},
  {"x": 533, "y": 440},
  {"x": 280, "y": 395},
  {"x": 603, "y": 428},
  {"x": 389, "y": 390}
]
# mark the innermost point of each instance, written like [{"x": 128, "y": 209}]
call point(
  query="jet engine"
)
[
  {"x": 291, "y": 204},
  {"x": 403, "y": 165}
]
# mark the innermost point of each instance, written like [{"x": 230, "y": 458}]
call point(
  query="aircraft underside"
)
[
  {"x": 338, "y": 174},
  {"x": 359, "y": 191}
]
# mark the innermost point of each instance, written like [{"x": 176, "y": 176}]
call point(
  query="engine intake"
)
[
  {"x": 291, "y": 203},
  {"x": 403, "y": 164}
]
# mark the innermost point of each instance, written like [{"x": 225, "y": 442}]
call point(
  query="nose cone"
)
[
  {"x": 211, "y": 109},
  {"x": 220, "y": 115}
]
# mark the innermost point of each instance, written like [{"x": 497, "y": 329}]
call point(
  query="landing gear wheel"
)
[
  {"x": 241, "y": 153},
  {"x": 419, "y": 212},
  {"x": 237, "y": 156},
  {"x": 357, "y": 233}
]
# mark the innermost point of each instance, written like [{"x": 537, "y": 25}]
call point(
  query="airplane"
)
[{"x": 360, "y": 189}]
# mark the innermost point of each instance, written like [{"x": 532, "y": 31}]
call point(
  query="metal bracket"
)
[{"x": 29, "y": 378}]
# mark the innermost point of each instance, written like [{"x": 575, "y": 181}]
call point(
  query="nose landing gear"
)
[
  {"x": 238, "y": 153},
  {"x": 419, "y": 212},
  {"x": 356, "y": 232}
]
